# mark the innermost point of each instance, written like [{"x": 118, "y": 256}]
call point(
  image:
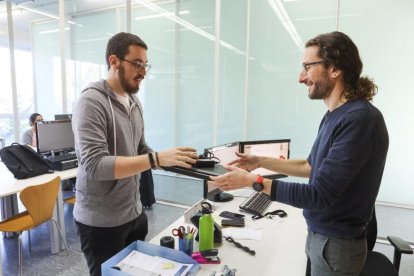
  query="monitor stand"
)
[{"x": 221, "y": 197}]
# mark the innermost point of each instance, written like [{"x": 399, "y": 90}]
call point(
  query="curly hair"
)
[
  {"x": 118, "y": 45},
  {"x": 339, "y": 50}
]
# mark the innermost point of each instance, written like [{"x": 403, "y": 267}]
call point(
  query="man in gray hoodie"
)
[{"x": 111, "y": 149}]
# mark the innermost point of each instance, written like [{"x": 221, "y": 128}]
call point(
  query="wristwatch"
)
[{"x": 258, "y": 184}]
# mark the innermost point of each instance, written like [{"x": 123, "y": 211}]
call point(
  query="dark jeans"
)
[{"x": 101, "y": 243}]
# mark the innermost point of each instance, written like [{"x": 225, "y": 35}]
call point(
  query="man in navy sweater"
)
[{"x": 344, "y": 167}]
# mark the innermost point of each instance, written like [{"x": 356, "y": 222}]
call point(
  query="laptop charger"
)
[{"x": 204, "y": 163}]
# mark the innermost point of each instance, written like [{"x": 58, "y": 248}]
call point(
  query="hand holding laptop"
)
[{"x": 181, "y": 156}]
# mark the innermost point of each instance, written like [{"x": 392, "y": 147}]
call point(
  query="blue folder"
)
[{"x": 149, "y": 249}]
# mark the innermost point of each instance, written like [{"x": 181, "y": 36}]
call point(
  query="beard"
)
[
  {"x": 322, "y": 88},
  {"x": 124, "y": 84}
]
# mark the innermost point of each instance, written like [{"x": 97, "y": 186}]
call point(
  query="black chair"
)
[{"x": 376, "y": 263}]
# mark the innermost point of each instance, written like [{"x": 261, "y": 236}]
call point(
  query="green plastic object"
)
[{"x": 206, "y": 228}]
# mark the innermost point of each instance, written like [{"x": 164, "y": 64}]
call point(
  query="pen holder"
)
[{"x": 186, "y": 245}]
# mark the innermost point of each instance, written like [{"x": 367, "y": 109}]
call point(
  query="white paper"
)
[
  {"x": 137, "y": 263},
  {"x": 238, "y": 233}
]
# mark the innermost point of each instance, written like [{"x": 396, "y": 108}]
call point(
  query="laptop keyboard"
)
[
  {"x": 62, "y": 157},
  {"x": 257, "y": 203}
]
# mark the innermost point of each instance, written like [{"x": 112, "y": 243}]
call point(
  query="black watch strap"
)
[{"x": 273, "y": 190}]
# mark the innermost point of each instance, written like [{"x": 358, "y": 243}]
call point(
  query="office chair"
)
[
  {"x": 70, "y": 200},
  {"x": 377, "y": 264},
  {"x": 39, "y": 201}
]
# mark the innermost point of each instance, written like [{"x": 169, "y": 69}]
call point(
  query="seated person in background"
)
[{"x": 29, "y": 136}]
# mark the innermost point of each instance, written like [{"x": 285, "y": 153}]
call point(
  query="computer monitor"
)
[
  {"x": 224, "y": 154},
  {"x": 63, "y": 116},
  {"x": 270, "y": 148},
  {"x": 54, "y": 137}
]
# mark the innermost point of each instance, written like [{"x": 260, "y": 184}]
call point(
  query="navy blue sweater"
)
[{"x": 347, "y": 161}]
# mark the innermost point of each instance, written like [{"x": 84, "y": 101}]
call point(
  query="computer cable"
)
[
  {"x": 209, "y": 155},
  {"x": 270, "y": 215},
  {"x": 239, "y": 245}
]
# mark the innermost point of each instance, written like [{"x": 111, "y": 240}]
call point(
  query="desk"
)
[
  {"x": 281, "y": 250},
  {"x": 11, "y": 186}
]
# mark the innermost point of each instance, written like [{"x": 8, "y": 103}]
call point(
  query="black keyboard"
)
[
  {"x": 257, "y": 203},
  {"x": 62, "y": 157}
]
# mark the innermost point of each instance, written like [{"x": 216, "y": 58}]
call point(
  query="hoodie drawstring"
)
[{"x": 113, "y": 122}]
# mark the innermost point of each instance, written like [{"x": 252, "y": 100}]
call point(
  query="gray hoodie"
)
[{"x": 103, "y": 130}]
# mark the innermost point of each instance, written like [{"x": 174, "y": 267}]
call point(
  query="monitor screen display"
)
[
  {"x": 54, "y": 136},
  {"x": 63, "y": 116},
  {"x": 225, "y": 153},
  {"x": 270, "y": 148}
]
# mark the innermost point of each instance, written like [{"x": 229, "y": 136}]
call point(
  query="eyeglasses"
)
[
  {"x": 306, "y": 66},
  {"x": 139, "y": 65}
]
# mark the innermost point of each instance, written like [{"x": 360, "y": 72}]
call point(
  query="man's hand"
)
[
  {"x": 182, "y": 156},
  {"x": 246, "y": 161},
  {"x": 235, "y": 179}
]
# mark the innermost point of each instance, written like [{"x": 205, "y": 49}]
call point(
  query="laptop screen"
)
[
  {"x": 270, "y": 148},
  {"x": 225, "y": 153},
  {"x": 54, "y": 136},
  {"x": 63, "y": 116}
]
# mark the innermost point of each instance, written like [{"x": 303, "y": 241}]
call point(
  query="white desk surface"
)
[
  {"x": 281, "y": 250},
  {"x": 10, "y": 185}
]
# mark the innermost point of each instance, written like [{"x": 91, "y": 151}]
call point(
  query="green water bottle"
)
[{"x": 206, "y": 228}]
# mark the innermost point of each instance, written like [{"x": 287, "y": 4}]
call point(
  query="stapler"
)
[{"x": 206, "y": 256}]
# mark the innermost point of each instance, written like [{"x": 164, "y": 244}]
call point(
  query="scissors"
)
[{"x": 179, "y": 232}]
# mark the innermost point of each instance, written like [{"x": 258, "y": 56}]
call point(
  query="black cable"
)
[
  {"x": 209, "y": 155},
  {"x": 277, "y": 212},
  {"x": 239, "y": 245}
]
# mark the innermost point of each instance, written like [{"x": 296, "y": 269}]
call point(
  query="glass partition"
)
[
  {"x": 22, "y": 16},
  {"x": 278, "y": 104},
  {"x": 157, "y": 93},
  {"x": 86, "y": 62},
  {"x": 231, "y": 106},
  {"x": 195, "y": 74},
  {"x": 383, "y": 32}
]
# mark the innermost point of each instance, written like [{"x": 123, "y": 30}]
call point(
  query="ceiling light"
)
[
  {"x": 284, "y": 18},
  {"x": 186, "y": 24}
]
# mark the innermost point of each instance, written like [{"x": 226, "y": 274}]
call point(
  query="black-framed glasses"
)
[
  {"x": 139, "y": 65},
  {"x": 307, "y": 65}
]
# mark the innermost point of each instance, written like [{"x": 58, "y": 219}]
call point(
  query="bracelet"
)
[
  {"x": 158, "y": 160},
  {"x": 151, "y": 160}
]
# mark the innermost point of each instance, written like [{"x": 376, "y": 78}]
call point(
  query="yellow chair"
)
[
  {"x": 70, "y": 200},
  {"x": 39, "y": 201}
]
